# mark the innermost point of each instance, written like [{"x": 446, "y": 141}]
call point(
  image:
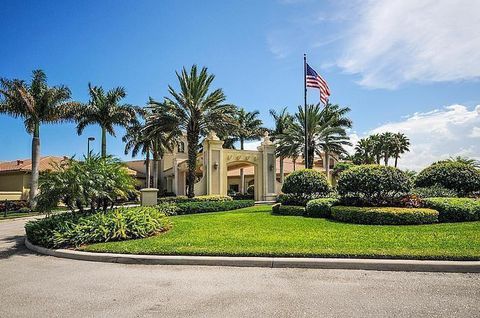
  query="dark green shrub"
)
[
  {"x": 306, "y": 181},
  {"x": 212, "y": 206},
  {"x": 169, "y": 209},
  {"x": 372, "y": 185},
  {"x": 69, "y": 229},
  {"x": 280, "y": 209},
  {"x": 320, "y": 208},
  {"x": 455, "y": 209},
  {"x": 436, "y": 191},
  {"x": 341, "y": 167},
  {"x": 384, "y": 215},
  {"x": 200, "y": 198},
  {"x": 299, "y": 199},
  {"x": 461, "y": 177}
]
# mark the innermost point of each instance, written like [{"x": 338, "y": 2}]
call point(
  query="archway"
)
[{"x": 246, "y": 187}]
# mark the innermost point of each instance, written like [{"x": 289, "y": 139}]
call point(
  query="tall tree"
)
[
  {"x": 197, "y": 111},
  {"x": 105, "y": 110},
  {"x": 36, "y": 103},
  {"x": 364, "y": 152},
  {"x": 387, "y": 144},
  {"x": 335, "y": 140},
  {"x": 249, "y": 127},
  {"x": 282, "y": 121},
  {"x": 400, "y": 145}
]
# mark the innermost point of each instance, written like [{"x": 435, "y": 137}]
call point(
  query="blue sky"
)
[{"x": 399, "y": 65}]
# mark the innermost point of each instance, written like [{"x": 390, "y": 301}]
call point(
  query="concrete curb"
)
[{"x": 272, "y": 262}]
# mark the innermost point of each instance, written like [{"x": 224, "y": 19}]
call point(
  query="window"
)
[{"x": 234, "y": 187}]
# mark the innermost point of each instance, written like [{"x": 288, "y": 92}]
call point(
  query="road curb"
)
[{"x": 272, "y": 262}]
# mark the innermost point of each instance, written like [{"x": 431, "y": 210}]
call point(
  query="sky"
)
[{"x": 401, "y": 65}]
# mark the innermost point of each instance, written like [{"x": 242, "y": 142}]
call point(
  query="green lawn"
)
[
  {"x": 15, "y": 215},
  {"x": 255, "y": 232}
]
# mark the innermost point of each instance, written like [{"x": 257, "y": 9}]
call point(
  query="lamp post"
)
[{"x": 88, "y": 145}]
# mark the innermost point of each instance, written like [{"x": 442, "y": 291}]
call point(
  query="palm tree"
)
[
  {"x": 36, "y": 103},
  {"x": 364, "y": 151},
  {"x": 387, "y": 145},
  {"x": 400, "y": 145},
  {"x": 136, "y": 141},
  {"x": 376, "y": 141},
  {"x": 197, "y": 111},
  {"x": 335, "y": 140},
  {"x": 282, "y": 120},
  {"x": 104, "y": 109},
  {"x": 465, "y": 160},
  {"x": 249, "y": 127}
]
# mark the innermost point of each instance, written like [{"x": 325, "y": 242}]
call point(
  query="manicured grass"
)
[
  {"x": 255, "y": 232},
  {"x": 16, "y": 215}
]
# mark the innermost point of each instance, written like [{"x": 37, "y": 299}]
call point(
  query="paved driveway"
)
[{"x": 41, "y": 286}]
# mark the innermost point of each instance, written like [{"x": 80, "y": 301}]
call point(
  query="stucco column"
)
[
  {"x": 269, "y": 169},
  {"x": 215, "y": 164}
]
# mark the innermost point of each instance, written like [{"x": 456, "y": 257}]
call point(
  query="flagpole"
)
[{"x": 305, "y": 107}]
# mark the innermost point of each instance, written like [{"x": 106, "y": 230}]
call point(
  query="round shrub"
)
[
  {"x": 372, "y": 185},
  {"x": 299, "y": 199},
  {"x": 306, "y": 181},
  {"x": 457, "y": 176},
  {"x": 280, "y": 209},
  {"x": 320, "y": 208},
  {"x": 455, "y": 209},
  {"x": 384, "y": 215}
]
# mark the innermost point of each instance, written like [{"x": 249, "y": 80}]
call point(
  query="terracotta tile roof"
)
[
  {"x": 25, "y": 165},
  {"x": 287, "y": 167}
]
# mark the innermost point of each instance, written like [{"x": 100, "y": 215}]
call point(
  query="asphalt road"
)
[{"x": 32, "y": 285}]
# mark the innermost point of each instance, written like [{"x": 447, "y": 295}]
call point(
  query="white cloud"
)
[
  {"x": 252, "y": 145},
  {"x": 397, "y": 41},
  {"x": 438, "y": 134}
]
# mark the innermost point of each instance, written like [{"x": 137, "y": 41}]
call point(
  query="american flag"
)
[{"x": 316, "y": 81}]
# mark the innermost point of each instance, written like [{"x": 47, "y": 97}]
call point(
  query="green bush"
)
[
  {"x": 320, "y": 208},
  {"x": 384, "y": 215},
  {"x": 455, "y": 209},
  {"x": 75, "y": 229},
  {"x": 299, "y": 199},
  {"x": 461, "y": 177},
  {"x": 212, "y": 206},
  {"x": 200, "y": 198},
  {"x": 435, "y": 191},
  {"x": 306, "y": 181},
  {"x": 280, "y": 209},
  {"x": 375, "y": 185}
]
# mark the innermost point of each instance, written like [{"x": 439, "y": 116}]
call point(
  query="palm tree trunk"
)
[
  {"x": 104, "y": 142},
  {"x": 327, "y": 165},
  {"x": 35, "y": 166},
  {"x": 282, "y": 176},
  {"x": 242, "y": 173},
  {"x": 155, "y": 170},
  {"x": 294, "y": 164},
  {"x": 147, "y": 169},
  {"x": 192, "y": 138},
  {"x": 396, "y": 160}
]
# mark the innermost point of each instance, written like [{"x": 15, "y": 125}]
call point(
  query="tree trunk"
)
[
  {"x": 327, "y": 165},
  {"x": 147, "y": 169},
  {"x": 155, "y": 171},
  {"x": 282, "y": 176},
  {"x": 242, "y": 173},
  {"x": 104, "y": 142},
  {"x": 396, "y": 160},
  {"x": 294, "y": 164},
  {"x": 35, "y": 166},
  {"x": 192, "y": 138},
  {"x": 385, "y": 159},
  {"x": 311, "y": 155}
]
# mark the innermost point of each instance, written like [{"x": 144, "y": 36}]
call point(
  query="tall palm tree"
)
[
  {"x": 249, "y": 127},
  {"x": 36, "y": 103},
  {"x": 376, "y": 141},
  {"x": 197, "y": 111},
  {"x": 282, "y": 121},
  {"x": 334, "y": 141},
  {"x": 364, "y": 151},
  {"x": 105, "y": 110},
  {"x": 136, "y": 141},
  {"x": 400, "y": 145},
  {"x": 387, "y": 146}
]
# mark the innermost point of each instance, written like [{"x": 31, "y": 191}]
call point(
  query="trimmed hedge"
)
[
  {"x": 299, "y": 199},
  {"x": 457, "y": 176},
  {"x": 212, "y": 206},
  {"x": 306, "y": 181},
  {"x": 435, "y": 191},
  {"x": 372, "y": 185},
  {"x": 455, "y": 209},
  {"x": 320, "y": 208},
  {"x": 280, "y": 209},
  {"x": 200, "y": 198},
  {"x": 384, "y": 215},
  {"x": 69, "y": 229}
]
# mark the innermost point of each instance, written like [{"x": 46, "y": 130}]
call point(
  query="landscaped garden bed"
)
[{"x": 254, "y": 231}]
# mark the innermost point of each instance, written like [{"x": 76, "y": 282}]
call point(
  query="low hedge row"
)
[
  {"x": 211, "y": 206},
  {"x": 69, "y": 229},
  {"x": 200, "y": 198},
  {"x": 384, "y": 215},
  {"x": 299, "y": 199},
  {"x": 280, "y": 209},
  {"x": 320, "y": 208},
  {"x": 455, "y": 209}
]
